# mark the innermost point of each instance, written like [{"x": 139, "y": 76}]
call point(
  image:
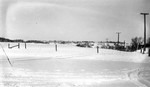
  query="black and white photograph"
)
[{"x": 74, "y": 43}]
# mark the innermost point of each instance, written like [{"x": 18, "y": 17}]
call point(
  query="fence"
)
[{"x": 18, "y": 46}]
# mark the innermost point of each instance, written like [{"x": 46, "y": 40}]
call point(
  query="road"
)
[{"x": 50, "y": 72}]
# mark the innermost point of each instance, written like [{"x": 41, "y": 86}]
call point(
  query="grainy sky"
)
[{"x": 73, "y": 19}]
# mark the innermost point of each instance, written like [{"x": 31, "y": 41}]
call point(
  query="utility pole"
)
[
  {"x": 118, "y": 36},
  {"x": 55, "y": 45},
  {"x": 144, "y": 30}
]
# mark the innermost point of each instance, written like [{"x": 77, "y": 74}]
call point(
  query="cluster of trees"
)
[
  {"x": 137, "y": 43},
  {"x": 88, "y": 44},
  {"x": 35, "y": 41}
]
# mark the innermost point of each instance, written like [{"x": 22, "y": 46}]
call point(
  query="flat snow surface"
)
[
  {"x": 68, "y": 51},
  {"x": 41, "y": 66}
]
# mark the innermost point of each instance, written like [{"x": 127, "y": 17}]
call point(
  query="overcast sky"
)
[{"x": 73, "y": 19}]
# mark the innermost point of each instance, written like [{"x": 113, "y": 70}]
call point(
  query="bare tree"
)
[{"x": 136, "y": 43}]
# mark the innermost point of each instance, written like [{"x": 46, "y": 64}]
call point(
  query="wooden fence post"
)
[
  {"x": 141, "y": 50},
  {"x": 97, "y": 49},
  {"x": 19, "y": 45},
  {"x": 56, "y": 47},
  {"x": 25, "y": 45}
]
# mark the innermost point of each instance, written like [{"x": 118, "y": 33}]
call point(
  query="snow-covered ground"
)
[
  {"x": 41, "y": 66},
  {"x": 68, "y": 51}
]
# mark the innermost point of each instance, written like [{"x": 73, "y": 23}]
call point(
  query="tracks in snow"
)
[{"x": 134, "y": 76}]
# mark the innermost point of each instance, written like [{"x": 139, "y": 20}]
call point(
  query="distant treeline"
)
[
  {"x": 2, "y": 39},
  {"x": 5, "y": 40}
]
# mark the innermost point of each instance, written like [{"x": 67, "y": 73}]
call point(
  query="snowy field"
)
[
  {"x": 68, "y": 51},
  {"x": 41, "y": 66}
]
